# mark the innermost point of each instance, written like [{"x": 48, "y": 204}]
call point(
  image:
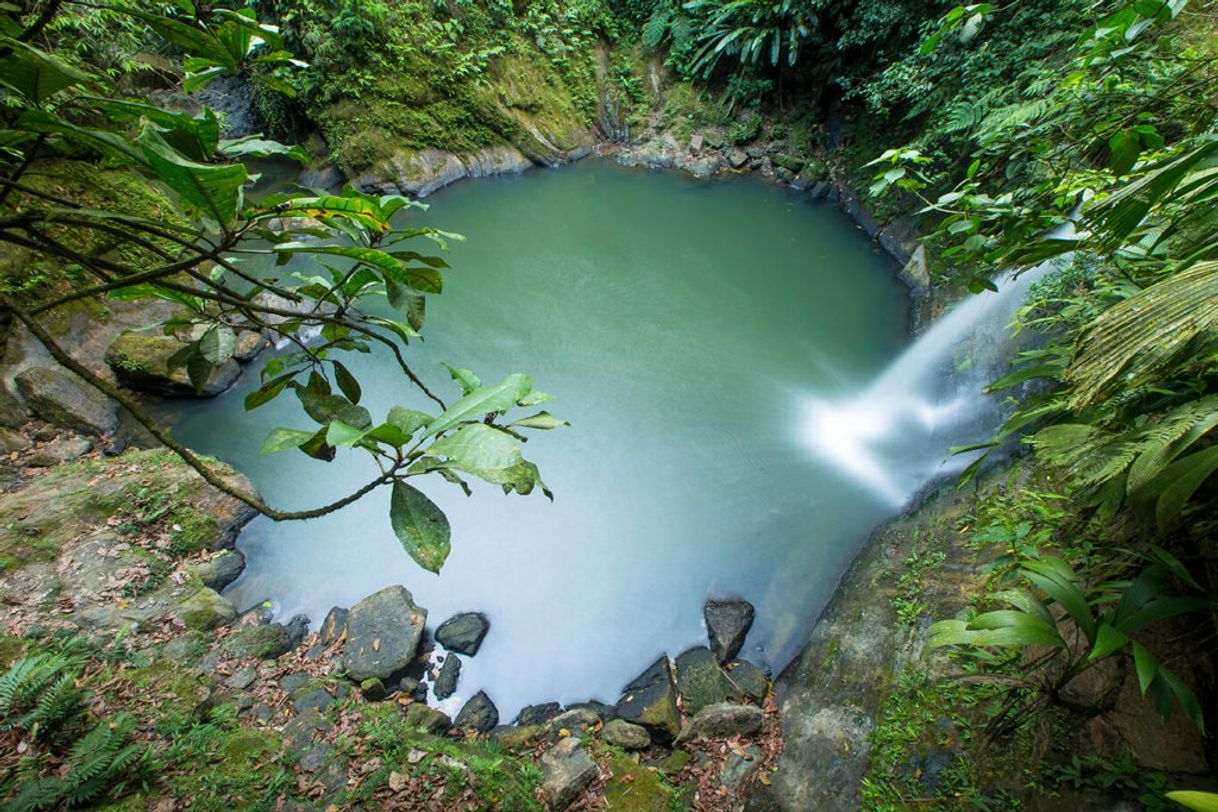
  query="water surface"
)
[{"x": 683, "y": 326}]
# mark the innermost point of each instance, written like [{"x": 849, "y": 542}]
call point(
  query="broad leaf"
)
[
  {"x": 420, "y": 526},
  {"x": 494, "y": 398},
  {"x": 282, "y": 439}
]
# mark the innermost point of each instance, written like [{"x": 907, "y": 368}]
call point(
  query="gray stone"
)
[
  {"x": 566, "y": 772},
  {"x": 604, "y": 711},
  {"x": 13, "y": 413},
  {"x": 463, "y": 633},
  {"x": 700, "y": 680},
  {"x": 574, "y": 721},
  {"x": 315, "y": 758},
  {"x": 650, "y": 700},
  {"x": 322, "y": 175},
  {"x": 479, "y": 714},
  {"x": 749, "y": 680},
  {"x": 538, "y": 714},
  {"x": 334, "y": 626},
  {"x": 141, "y": 362},
  {"x": 727, "y": 624},
  {"x": 738, "y": 767},
  {"x": 373, "y": 689},
  {"x": 291, "y": 683},
  {"x": 221, "y": 570},
  {"x": 243, "y": 678},
  {"x": 916, "y": 273},
  {"x": 259, "y": 642},
  {"x": 421, "y": 717},
  {"x": 737, "y": 158},
  {"x": 301, "y": 729},
  {"x": 446, "y": 681},
  {"x": 723, "y": 721},
  {"x": 695, "y": 142},
  {"x": 250, "y": 345},
  {"x": 511, "y": 737},
  {"x": 57, "y": 452},
  {"x": 205, "y": 610},
  {"x": 413, "y": 688},
  {"x": 383, "y": 634},
  {"x": 11, "y": 441},
  {"x": 65, "y": 400},
  {"x": 317, "y": 699},
  {"x": 626, "y": 735}
]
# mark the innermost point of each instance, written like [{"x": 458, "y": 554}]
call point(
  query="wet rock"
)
[
  {"x": 566, "y": 772},
  {"x": 723, "y": 721},
  {"x": 243, "y": 678},
  {"x": 727, "y": 623},
  {"x": 479, "y": 714},
  {"x": 604, "y": 711},
  {"x": 142, "y": 362},
  {"x": 421, "y": 717},
  {"x": 296, "y": 629},
  {"x": 916, "y": 272},
  {"x": 650, "y": 700},
  {"x": 383, "y": 634},
  {"x": 700, "y": 680},
  {"x": 446, "y": 681},
  {"x": 737, "y": 158},
  {"x": 60, "y": 451},
  {"x": 221, "y": 570},
  {"x": 321, "y": 175},
  {"x": 261, "y": 642},
  {"x": 334, "y": 626},
  {"x": 317, "y": 699},
  {"x": 626, "y": 735},
  {"x": 538, "y": 714},
  {"x": 413, "y": 688},
  {"x": 65, "y": 400},
  {"x": 250, "y": 345},
  {"x": 463, "y": 633},
  {"x": 258, "y": 615},
  {"x": 205, "y": 610},
  {"x": 749, "y": 680},
  {"x": 11, "y": 441}
]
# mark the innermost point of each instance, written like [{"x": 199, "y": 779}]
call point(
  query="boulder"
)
[
  {"x": 268, "y": 641},
  {"x": 634, "y": 788},
  {"x": 316, "y": 699},
  {"x": 205, "y": 610},
  {"x": 538, "y": 714},
  {"x": 421, "y": 717},
  {"x": 446, "y": 681},
  {"x": 603, "y": 711},
  {"x": 650, "y": 700},
  {"x": 566, "y": 772},
  {"x": 916, "y": 272},
  {"x": 334, "y": 626},
  {"x": 511, "y": 738},
  {"x": 296, "y": 681},
  {"x": 574, "y": 721},
  {"x": 221, "y": 570},
  {"x": 722, "y": 721},
  {"x": 463, "y": 633},
  {"x": 383, "y": 634},
  {"x": 700, "y": 680},
  {"x": 727, "y": 623},
  {"x": 737, "y": 158},
  {"x": 11, "y": 441},
  {"x": 242, "y": 678},
  {"x": 57, "y": 452},
  {"x": 65, "y": 400},
  {"x": 479, "y": 714},
  {"x": 373, "y": 689},
  {"x": 626, "y": 735},
  {"x": 13, "y": 413},
  {"x": 142, "y": 362},
  {"x": 750, "y": 681}
]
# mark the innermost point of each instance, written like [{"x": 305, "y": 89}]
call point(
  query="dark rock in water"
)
[
  {"x": 463, "y": 633},
  {"x": 296, "y": 629},
  {"x": 602, "y": 710},
  {"x": 750, "y": 681},
  {"x": 700, "y": 680},
  {"x": 566, "y": 772},
  {"x": 421, "y": 717},
  {"x": 221, "y": 570},
  {"x": 65, "y": 400},
  {"x": 727, "y": 623},
  {"x": 383, "y": 634},
  {"x": 626, "y": 735},
  {"x": 413, "y": 688},
  {"x": 723, "y": 721},
  {"x": 538, "y": 714},
  {"x": 334, "y": 626},
  {"x": 258, "y": 615},
  {"x": 446, "y": 681},
  {"x": 479, "y": 714},
  {"x": 650, "y": 700}
]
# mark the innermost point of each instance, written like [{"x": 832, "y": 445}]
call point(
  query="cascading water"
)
[{"x": 893, "y": 436}]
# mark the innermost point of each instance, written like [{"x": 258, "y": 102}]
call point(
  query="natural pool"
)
[{"x": 683, "y": 325}]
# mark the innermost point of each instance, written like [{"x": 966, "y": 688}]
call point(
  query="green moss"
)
[
  {"x": 634, "y": 788},
  {"x": 11, "y": 648},
  {"x": 176, "y": 694}
]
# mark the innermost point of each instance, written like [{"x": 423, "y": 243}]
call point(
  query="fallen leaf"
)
[{"x": 397, "y": 781}]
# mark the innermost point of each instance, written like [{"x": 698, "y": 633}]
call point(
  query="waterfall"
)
[{"x": 893, "y": 437}]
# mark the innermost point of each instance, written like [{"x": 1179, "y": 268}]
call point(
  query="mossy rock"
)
[
  {"x": 634, "y": 788},
  {"x": 790, "y": 162},
  {"x": 10, "y": 649},
  {"x": 175, "y": 694},
  {"x": 205, "y": 610},
  {"x": 142, "y": 362}
]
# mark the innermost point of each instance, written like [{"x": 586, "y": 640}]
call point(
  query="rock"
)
[
  {"x": 634, "y": 788},
  {"x": 413, "y": 688},
  {"x": 812, "y": 175},
  {"x": 116, "y": 447},
  {"x": 142, "y": 362},
  {"x": 296, "y": 629},
  {"x": 243, "y": 678},
  {"x": 463, "y": 633},
  {"x": 65, "y": 400},
  {"x": 257, "y": 615},
  {"x": 291, "y": 683},
  {"x": 604, "y": 711},
  {"x": 739, "y": 766},
  {"x": 916, "y": 273},
  {"x": 321, "y": 175},
  {"x": 791, "y": 163},
  {"x": 1097, "y": 689},
  {"x": 186, "y": 649},
  {"x": 221, "y": 570},
  {"x": 446, "y": 681},
  {"x": 13, "y": 413},
  {"x": 205, "y": 610},
  {"x": 383, "y": 634},
  {"x": 700, "y": 680},
  {"x": 723, "y": 721},
  {"x": 421, "y": 717},
  {"x": 574, "y": 721},
  {"x": 538, "y": 714},
  {"x": 250, "y": 344},
  {"x": 750, "y": 681},
  {"x": 727, "y": 623},
  {"x": 737, "y": 158},
  {"x": 651, "y": 701},
  {"x": 59, "y": 451},
  {"x": 318, "y": 699},
  {"x": 625, "y": 735},
  {"x": 334, "y": 626},
  {"x": 479, "y": 714},
  {"x": 11, "y": 441},
  {"x": 518, "y": 738},
  {"x": 695, "y": 143},
  {"x": 260, "y": 642},
  {"x": 566, "y": 772}
]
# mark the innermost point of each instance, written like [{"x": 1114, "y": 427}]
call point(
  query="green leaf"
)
[
  {"x": 465, "y": 378},
  {"x": 1146, "y": 664},
  {"x": 1185, "y": 476},
  {"x": 1049, "y": 573},
  {"x": 1107, "y": 640},
  {"x": 215, "y": 191},
  {"x": 1019, "y": 628},
  {"x": 347, "y": 383},
  {"x": 281, "y": 439},
  {"x": 327, "y": 408},
  {"x": 489, "y": 454},
  {"x": 254, "y": 146},
  {"x": 1195, "y": 800},
  {"x": 1124, "y": 149},
  {"x": 218, "y": 344},
  {"x": 495, "y": 398},
  {"x": 420, "y": 526},
  {"x": 408, "y": 420},
  {"x": 339, "y": 433},
  {"x": 103, "y": 141},
  {"x": 34, "y": 73},
  {"x": 1186, "y": 698},
  {"x": 541, "y": 420}
]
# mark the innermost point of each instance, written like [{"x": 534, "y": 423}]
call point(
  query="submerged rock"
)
[
  {"x": 650, "y": 700},
  {"x": 700, "y": 680},
  {"x": 63, "y": 399},
  {"x": 479, "y": 714},
  {"x": 566, "y": 772},
  {"x": 383, "y": 634},
  {"x": 727, "y": 623},
  {"x": 722, "y": 721},
  {"x": 463, "y": 633},
  {"x": 446, "y": 681}
]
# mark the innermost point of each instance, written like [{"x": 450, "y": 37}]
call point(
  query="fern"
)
[{"x": 38, "y": 694}]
